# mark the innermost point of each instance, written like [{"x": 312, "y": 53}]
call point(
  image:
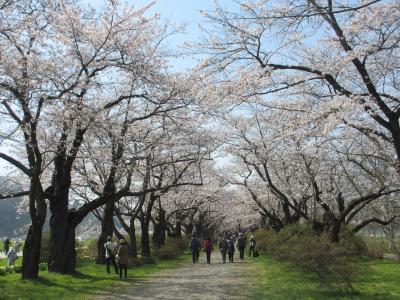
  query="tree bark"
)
[
  {"x": 145, "y": 241},
  {"x": 107, "y": 225},
  {"x": 33, "y": 241},
  {"x": 62, "y": 252},
  {"x": 132, "y": 237}
]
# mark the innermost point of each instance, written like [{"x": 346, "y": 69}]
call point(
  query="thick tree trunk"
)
[
  {"x": 145, "y": 241},
  {"x": 31, "y": 253},
  {"x": 62, "y": 252},
  {"x": 178, "y": 229},
  {"x": 33, "y": 241},
  {"x": 107, "y": 225}
]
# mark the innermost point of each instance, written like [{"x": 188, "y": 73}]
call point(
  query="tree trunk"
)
[
  {"x": 145, "y": 241},
  {"x": 132, "y": 237},
  {"x": 33, "y": 241},
  {"x": 178, "y": 229},
  {"x": 31, "y": 253},
  {"x": 62, "y": 252},
  {"x": 107, "y": 225}
]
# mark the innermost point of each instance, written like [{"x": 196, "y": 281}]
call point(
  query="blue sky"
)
[{"x": 180, "y": 12}]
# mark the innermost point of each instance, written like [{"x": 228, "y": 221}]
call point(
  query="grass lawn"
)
[
  {"x": 379, "y": 280},
  {"x": 89, "y": 280}
]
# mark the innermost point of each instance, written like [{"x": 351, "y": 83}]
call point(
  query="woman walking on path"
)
[
  {"x": 208, "y": 247},
  {"x": 223, "y": 247},
  {"x": 122, "y": 257},
  {"x": 231, "y": 249}
]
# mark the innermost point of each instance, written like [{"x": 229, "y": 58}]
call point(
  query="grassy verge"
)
[
  {"x": 89, "y": 280},
  {"x": 276, "y": 280}
]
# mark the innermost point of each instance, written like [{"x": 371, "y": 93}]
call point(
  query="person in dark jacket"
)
[
  {"x": 194, "y": 248},
  {"x": 208, "y": 247},
  {"x": 7, "y": 243},
  {"x": 122, "y": 257},
  {"x": 231, "y": 249},
  {"x": 252, "y": 245},
  {"x": 241, "y": 244},
  {"x": 223, "y": 248}
]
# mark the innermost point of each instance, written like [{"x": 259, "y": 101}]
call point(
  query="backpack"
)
[{"x": 256, "y": 254}]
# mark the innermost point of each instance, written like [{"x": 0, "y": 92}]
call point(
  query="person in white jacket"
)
[
  {"x": 12, "y": 257},
  {"x": 110, "y": 257}
]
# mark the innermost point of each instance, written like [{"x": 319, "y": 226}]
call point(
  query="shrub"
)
[
  {"x": 87, "y": 249},
  {"x": 171, "y": 250},
  {"x": 149, "y": 260},
  {"x": 42, "y": 267},
  {"x": 3, "y": 272},
  {"x": 375, "y": 246},
  {"x": 136, "y": 262},
  {"x": 18, "y": 269},
  {"x": 332, "y": 263}
]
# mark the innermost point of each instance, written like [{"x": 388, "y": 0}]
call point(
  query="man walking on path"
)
[
  {"x": 231, "y": 249},
  {"x": 110, "y": 257},
  {"x": 241, "y": 244},
  {"x": 252, "y": 245},
  {"x": 208, "y": 247},
  {"x": 194, "y": 248},
  {"x": 223, "y": 248},
  {"x": 123, "y": 257}
]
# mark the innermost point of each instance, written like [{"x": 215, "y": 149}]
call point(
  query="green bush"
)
[
  {"x": 87, "y": 249},
  {"x": 136, "y": 262},
  {"x": 3, "y": 272},
  {"x": 171, "y": 250},
  {"x": 149, "y": 260},
  {"x": 332, "y": 263},
  {"x": 42, "y": 267}
]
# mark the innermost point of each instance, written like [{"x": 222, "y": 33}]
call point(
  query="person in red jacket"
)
[{"x": 208, "y": 247}]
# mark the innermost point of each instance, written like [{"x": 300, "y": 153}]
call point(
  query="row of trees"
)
[
  {"x": 92, "y": 118},
  {"x": 300, "y": 101},
  {"x": 313, "y": 98}
]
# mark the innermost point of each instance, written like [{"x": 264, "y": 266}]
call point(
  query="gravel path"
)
[{"x": 189, "y": 281}]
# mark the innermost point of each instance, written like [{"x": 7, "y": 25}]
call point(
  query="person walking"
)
[
  {"x": 12, "y": 257},
  {"x": 208, "y": 247},
  {"x": 231, "y": 249},
  {"x": 241, "y": 244},
  {"x": 7, "y": 243},
  {"x": 223, "y": 248},
  {"x": 110, "y": 257},
  {"x": 122, "y": 257},
  {"x": 194, "y": 248},
  {"x": 252, "y": 245}
]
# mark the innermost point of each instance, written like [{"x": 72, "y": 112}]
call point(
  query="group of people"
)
[
  {"x": 114, "y": 254},
  {"x": 11, "y": 252},
  {"x": 226, "y": 246}
]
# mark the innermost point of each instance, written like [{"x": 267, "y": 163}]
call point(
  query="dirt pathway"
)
[{"x": 200, "y": 281}]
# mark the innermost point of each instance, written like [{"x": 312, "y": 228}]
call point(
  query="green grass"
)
[
  {"x": 379, "y": 280},
  {"x": 89, "y": 280}
]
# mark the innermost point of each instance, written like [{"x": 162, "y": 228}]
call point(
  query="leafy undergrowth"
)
[
  {"x": 277, "y": 280},
  {"x": 89, "y": 280}
]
